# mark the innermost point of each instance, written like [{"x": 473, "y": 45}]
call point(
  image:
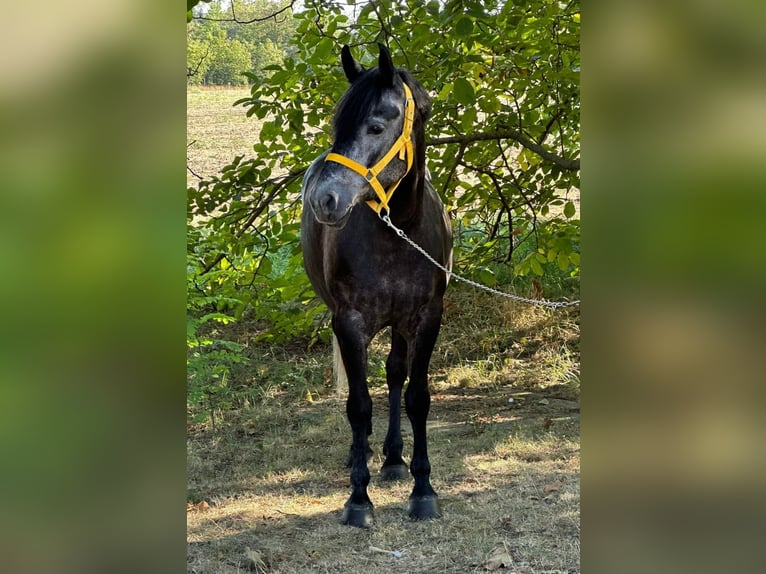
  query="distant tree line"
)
[{"x": 228, "y": 41}]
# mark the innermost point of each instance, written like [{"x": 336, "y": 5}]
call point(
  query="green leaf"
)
[
  {"x": 265, "y": 268},
  {"x": 569, "y": 210},
  {"x": 534, "y": 264},
  {"x": 463, "y": 91},
  {"x": 486, "y": 277},
  {"x": 489, "y": 104},
  {"x": 563, "y": 260},
  {"x": 433, "y": 8},
  {"x": 464, "y": 26},
  {"x": 468, "y": 120}
]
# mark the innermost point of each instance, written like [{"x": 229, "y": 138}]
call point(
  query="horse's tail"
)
[{"x": 338, "y": 369}]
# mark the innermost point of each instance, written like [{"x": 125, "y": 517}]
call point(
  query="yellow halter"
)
[{"x": 402, "y": 146}]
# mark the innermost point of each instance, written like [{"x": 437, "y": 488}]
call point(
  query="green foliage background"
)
[
  {"x": 223, "y": 45},
  {"x": 503, "y": 152}
]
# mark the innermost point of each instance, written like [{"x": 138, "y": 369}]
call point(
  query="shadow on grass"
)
[{"x": 274, "y": 476}]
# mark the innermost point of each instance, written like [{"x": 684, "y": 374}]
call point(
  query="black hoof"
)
[
  {"x": 359, "y": 515},
  {"x": 424, "y": 507},
  {"x": 394, "y": 472}
]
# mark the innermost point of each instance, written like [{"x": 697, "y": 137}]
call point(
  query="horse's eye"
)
[{"x": 375, "y": 129}]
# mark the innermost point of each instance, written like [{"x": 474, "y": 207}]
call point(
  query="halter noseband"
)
[{"x": 402, "y": 146}]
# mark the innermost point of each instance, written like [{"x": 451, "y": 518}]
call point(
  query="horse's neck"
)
[
  {"x": 407, "y": 208},
  {"x": 408, "y": 198}
]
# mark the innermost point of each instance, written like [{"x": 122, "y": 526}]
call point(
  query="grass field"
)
[
  {"x": 267, "y": 482},
  {"x": 215, "y": 130}
]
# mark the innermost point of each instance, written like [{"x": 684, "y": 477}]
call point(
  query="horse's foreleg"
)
[
  {"x": 396, "y": 372},
  {"x": 353, "y": 347},
  {"x": 423, "y": 501}
]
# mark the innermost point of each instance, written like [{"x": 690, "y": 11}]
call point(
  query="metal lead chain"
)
[{"x": 540, "y": 302}]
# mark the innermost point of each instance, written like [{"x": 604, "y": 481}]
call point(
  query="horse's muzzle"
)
[{"x": 329, "y": 208}]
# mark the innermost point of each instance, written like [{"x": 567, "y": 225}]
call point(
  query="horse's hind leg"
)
[
  {"x": 423, "y": 501},
  {"x": 353, "y": 346},
  {"x": 394, "y": 467}
]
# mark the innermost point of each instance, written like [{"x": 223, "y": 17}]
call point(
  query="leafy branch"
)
[
  {"x": 193, "y": 71},
  {"x": 504, "y": 134},
  {"x": 277, "y": 184}
]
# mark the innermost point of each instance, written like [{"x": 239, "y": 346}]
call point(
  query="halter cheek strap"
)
[{"x": 401, "y": 147}]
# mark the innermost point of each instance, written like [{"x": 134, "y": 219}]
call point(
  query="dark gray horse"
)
[{"x": 367, "y": 275}]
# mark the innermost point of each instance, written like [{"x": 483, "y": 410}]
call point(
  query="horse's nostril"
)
[{"x": 329, "y": 202}]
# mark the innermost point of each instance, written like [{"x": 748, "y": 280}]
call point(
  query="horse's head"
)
[{"x": 375, "y": 143}]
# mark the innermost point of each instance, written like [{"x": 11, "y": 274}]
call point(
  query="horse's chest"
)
[{"x": 387, "y": 284}]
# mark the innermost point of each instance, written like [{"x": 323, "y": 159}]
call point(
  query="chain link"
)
[{"x": 541, "y": 302}]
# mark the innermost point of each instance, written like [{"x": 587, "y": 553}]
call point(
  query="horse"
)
[{"x": 368, "y": 276}]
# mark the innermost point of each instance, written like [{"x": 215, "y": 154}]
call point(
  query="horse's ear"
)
[
  {"x": 386, "y": 65},
  {"x": 351, "y": 67}
]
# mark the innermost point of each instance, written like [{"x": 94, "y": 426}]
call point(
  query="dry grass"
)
[
  {"x": 276, "y": 487},
  {"x": 267, "y": 487},
  {"x": 215, "y": 130}
]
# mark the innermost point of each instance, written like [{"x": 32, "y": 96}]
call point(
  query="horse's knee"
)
[
  {"x": 396, "y": 370},
  {"x": 359, "y": 411}
]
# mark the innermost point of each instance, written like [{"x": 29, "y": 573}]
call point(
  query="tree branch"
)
[
  {"x": 193, "y": 71},
  {"x": 256, "y": 19},
  {"x": 260, "y": 208},
  {"x": 554, "y": 118},
  {"x": 510, "y": 134},
  {"x": 191, "y": 171},
  {"x": 448, "y": 179}
]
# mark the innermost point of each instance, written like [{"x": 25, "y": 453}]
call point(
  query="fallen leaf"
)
[
  {"x": 197, "y": 507},
  {"x": 500, "y": 559},
  {"x": 553, "y": 487},
  {"x": 254, "y": 561},
  {"x": 394, "y": 553}
]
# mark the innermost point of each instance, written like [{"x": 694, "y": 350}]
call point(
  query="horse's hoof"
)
[
  {"x": 424, "y": 507},
  {"x": 394, "y": 472},
  {"x": 359, "y": 515}
]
